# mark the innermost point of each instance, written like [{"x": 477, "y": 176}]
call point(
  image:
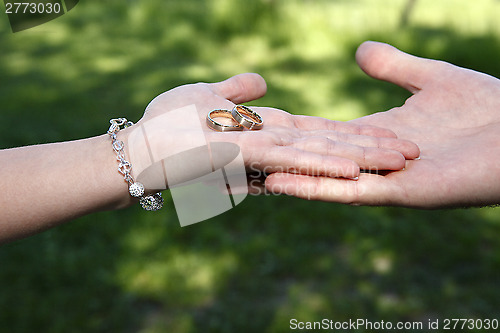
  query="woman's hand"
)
[{"x": 287, "y": 143}]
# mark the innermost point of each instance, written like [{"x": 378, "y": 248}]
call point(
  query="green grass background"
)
[{"x": 270, "y": 259}]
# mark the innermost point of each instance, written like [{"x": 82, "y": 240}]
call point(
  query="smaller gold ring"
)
[
  {"x": 247, "y": 117},
  {"x": 216, "y": 126}
]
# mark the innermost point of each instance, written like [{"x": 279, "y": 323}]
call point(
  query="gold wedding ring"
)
[
  {"x": 247, "y": 118},
  {"x": 217, "y": 126},
  {"x": 241, "y": 117}
]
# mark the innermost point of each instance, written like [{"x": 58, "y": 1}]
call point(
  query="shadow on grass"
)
[{"x": 310, "y": 260}]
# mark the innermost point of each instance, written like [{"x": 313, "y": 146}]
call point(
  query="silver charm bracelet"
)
[{"x": 152, "y": 202}]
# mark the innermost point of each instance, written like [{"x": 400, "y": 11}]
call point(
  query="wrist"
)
[
  {"x": 111, "y": 184},
  {"x": 149, "y": 202}
]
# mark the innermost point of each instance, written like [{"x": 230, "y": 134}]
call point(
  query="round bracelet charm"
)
[
  {"x": 152, "y": 202},
  {"x": 136, "y": 190}
]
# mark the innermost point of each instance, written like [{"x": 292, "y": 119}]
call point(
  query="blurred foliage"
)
[{"x": 270, "y": 259}]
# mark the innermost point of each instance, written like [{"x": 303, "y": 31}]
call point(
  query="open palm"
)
[
  {"x": 453, "y": 116},
  {"x": 287, "y": 143}
]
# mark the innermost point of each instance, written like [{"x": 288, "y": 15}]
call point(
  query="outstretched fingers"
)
[
  {"x": 361, "y": 135},
  {"x": 297, "y": 161},
  {"x": 407, "y": 149},
  {"x": 369, "y": 189},
  {"x": 368, "y": 158}
]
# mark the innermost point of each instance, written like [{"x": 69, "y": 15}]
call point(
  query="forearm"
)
[{"x": 45, "y": 185}]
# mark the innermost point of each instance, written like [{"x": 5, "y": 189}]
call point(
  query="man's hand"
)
[{"x": 453, "y": 116}]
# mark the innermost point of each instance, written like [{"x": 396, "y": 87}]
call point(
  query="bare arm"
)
[{"x": 46, "y": 185}]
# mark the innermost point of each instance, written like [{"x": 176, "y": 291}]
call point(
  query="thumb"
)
[
  {"x": 385, "y": 62},
  {"x": 241, "y": 88}
]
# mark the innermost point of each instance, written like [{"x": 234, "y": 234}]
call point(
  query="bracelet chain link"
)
[{"x": 150, "y": 202}]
